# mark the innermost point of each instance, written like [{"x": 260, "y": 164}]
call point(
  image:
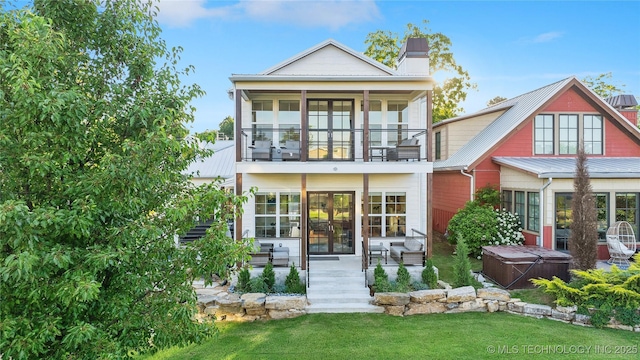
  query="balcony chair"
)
[
  {"x": 408, "y": 149},
  {"x": 291, "y": 150},
  {"x": 261, "y": 150}
]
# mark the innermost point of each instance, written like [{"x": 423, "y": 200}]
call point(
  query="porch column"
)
[
  {"x": 365, "y": 219},
  {"x": 238, "y": 126},
  {"x": 304, "y": 233},
  {"x": 304, "y": 145},
  {"x": 365, "y": 125},
  {"x": 429, "y": 175}
]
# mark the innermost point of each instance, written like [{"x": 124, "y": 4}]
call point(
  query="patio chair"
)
[
  {"x": 261, "y": 150},
  {"x": 407, "y": 149},
  {"x": 621, "y": 243},
  {"x": 291, "y": 150},
  {"x": 262, "y": 254}
]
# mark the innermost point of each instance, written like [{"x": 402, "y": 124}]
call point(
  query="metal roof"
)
[
  {"x": 565, "y": 167},
  {"x": 622, "y": 101},
  {"x": 519, "y": 108},
  {"x": 220, "y": 164}
]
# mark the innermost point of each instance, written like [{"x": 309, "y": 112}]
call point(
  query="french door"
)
[
  {"x": 331, "y": 223},
  {"x": 330, "y": 130}
]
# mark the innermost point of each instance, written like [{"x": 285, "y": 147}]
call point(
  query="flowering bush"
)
[{"x": 481, "y": 225}]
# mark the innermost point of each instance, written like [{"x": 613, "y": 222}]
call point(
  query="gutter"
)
[
  {"x": 462, "y": 171},
  {"x": 541, "y": 244}
]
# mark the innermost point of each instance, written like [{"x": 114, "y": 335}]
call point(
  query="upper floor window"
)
[
  {"x": 262, "y": 112},
  {"x": 568, "y": 134},
  {"x": 571, "y": 129},
  {"x": 289, "y": 112},
  {"x": 397, "y": 121},
  {"x": 592, "y": 134},
  {"x": 438, "y": 142},
  {"x": 375, "y": 121},
  {"x": 544, "y": 134}
]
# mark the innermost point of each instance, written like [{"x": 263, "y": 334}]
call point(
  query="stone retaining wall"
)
[
  {"x": 251, "y": 307},
  {"x": 466, "y": 299}
]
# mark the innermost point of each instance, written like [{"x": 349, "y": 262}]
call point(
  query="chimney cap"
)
[
  {"x": 622, "y": 101},
  {"x": 414, "y": 48}
]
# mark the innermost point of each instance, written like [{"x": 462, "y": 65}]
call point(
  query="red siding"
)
[
  {"x": 451, "y": 191},
  {"x": 603, "y": 252},
  {"x": 631, "y": 115},
  {"x": 569, "y": 101},
  {"x": 618, "y": 143}
]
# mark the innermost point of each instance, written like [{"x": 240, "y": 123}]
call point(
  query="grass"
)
[{"x": 435, "y": 336}]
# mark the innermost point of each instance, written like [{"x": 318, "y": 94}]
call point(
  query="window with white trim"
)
[
  {"x": 533, "y": 211},
  {"x": 277, "y": 214},
  {"x": 387, "y": 214}
]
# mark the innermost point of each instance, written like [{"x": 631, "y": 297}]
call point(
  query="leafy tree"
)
[
  {"x": 92, "y": 150},
  {"x": 384, "y": 46},
  {"x": 602, "y": 85},
  {"x": 226, "y": 127},
  {"x": 583, "y": 241},
  {"x": 496, "y": 100}
]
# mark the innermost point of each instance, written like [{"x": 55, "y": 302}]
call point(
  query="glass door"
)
[
  {"x": 563, "y": 220},
  {"x": 330, "y": 129},
  {"x": 331, "y": 225}
]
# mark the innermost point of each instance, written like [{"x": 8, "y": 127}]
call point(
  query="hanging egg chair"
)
[{"x": 621, "y": 242}]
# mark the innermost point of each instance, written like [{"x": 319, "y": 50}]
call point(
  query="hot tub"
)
[{"x": 512, "y": 266}]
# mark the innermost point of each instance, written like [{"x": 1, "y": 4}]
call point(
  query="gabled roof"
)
[
  {"x": 519, "y": 109},
  {"x": 565, "y": 167},
  {"x": 323, "y": 45}
]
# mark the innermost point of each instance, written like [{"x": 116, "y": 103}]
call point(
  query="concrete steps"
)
[{"x": 338, "y": 287}]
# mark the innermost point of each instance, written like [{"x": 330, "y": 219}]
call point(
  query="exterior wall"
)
[
  {"x": 414, "y": 185},
  {"x": 457, "y": 133},
  {"x": 451, "y": 190},
  {"x": 329, "y": 60}
]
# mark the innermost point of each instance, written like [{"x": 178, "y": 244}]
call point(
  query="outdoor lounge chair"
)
[
  {"x": 409, "y": 252},
  {"x": 291, "y": 150},
  {"x": 261, "y": 150},
  {"x": 408, "y": 149},
  {"x": 621, "y": 243},
  {"x": 261, "y": 254}
]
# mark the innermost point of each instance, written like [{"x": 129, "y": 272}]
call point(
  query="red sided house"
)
[{"x": 527, "y": 145}]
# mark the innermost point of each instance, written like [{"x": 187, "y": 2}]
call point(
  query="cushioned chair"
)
[
  {"x": 262, "y": 254},
  {"x": 291, "y": 150},
  {"x": 408, "y": 149},
  {"x": 280, "y": 256},
  {"x": 621, "y": 243},
  {"x": 410, "y": 251},
  {"x": 261, "y": 150}
]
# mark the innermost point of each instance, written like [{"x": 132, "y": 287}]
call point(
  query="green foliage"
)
[
  {"x": 269, "y": 276},
  {"x": 403, "y": 279},
  {"x": 227, "y": 128},
  {"x": 244, "y": 281},
  {"x": 429, "y": 276},
  {"x": 462, "y": 265},
  {"x": 384, "y": 47},
  {"x": 379, "y": 272},
  {"x": 93, "y": 145},
  {"x": 600, "y": 293},
  {"x": 292, "y": 283},
  {"x": 602, "y": 85},
  {"x": 381, "y": 279},
  {"x": 481, "y": 225},
  {"x": 487, "y": 195},
  {"x": 419, "y": 285},
  {"x": 496, "y": 100},
  {"x": 259, "y": 285}
]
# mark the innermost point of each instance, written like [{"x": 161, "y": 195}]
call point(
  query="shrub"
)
[
  {"x": 429, "y": 276},
  {"x": 244, "y": 279},
  {"x": 381, "y": 279},
  {"x": 462, "y": 265},
  {"x": 380, "y": 272},
  {"x": 601, "y": 294},
  {"x": 417, "y": 285},
  {"x": 292, "y": 283},
  {"x": 269, "y": 276},
  {"x": 487, "y": 195},
  {"x": 403, "y": 279},
  {"x": 481, "y": 225},
  {"x": 258, "y": 285}
]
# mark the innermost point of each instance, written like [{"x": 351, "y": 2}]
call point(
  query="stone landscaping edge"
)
[{"x": 225, "y": 306}]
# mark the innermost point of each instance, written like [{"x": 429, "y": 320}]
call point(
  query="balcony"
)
[{"x": 267, "y": 144}]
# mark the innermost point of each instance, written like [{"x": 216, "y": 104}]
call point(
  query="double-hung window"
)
[
  {"x": 387, "y": 214},
  {"x": 533, "y": 213},
  {"x": 289, "y": 120},
  {"x": 563, "y": 136},
  {"x": 544, "y": 134},
  {"x": 568, "y": 134},
  {"x": 277, "y": 215},
  {"x": 262, "y": 120},
  {"x": 397, "y": 121}
]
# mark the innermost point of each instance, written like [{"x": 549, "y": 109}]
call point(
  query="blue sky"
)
[{"x": 508, "y": 47}]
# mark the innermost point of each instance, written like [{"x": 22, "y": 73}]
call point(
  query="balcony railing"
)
[{"x": 284, "y": 144}]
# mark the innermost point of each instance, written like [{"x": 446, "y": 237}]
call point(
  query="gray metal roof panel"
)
[
  {"x": 221, "y": 163},
  {"x": 564, "y": 167},
  {"x": 519, "y": 108}
]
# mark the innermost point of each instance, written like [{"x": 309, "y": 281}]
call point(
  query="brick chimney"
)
[
  {"x": 625, "y": 104},
  {"x": 414, "y": 57}
]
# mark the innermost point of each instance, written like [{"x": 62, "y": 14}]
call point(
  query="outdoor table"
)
[{"x": 378, "y": 251}]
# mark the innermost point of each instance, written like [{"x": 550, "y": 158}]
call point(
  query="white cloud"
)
[
  {"x": 542, "y": 38},
  {"x": 332, "y": 14}
]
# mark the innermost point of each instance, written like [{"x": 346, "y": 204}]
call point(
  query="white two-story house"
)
[{"x": 336, "y": 145}]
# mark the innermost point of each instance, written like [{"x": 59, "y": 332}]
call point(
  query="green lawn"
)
[{"x": 436, "y": 336}]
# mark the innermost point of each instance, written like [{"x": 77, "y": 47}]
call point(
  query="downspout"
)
[
  {"x": 541, "y": 244},
  {"x": 462, "y": 171}
]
